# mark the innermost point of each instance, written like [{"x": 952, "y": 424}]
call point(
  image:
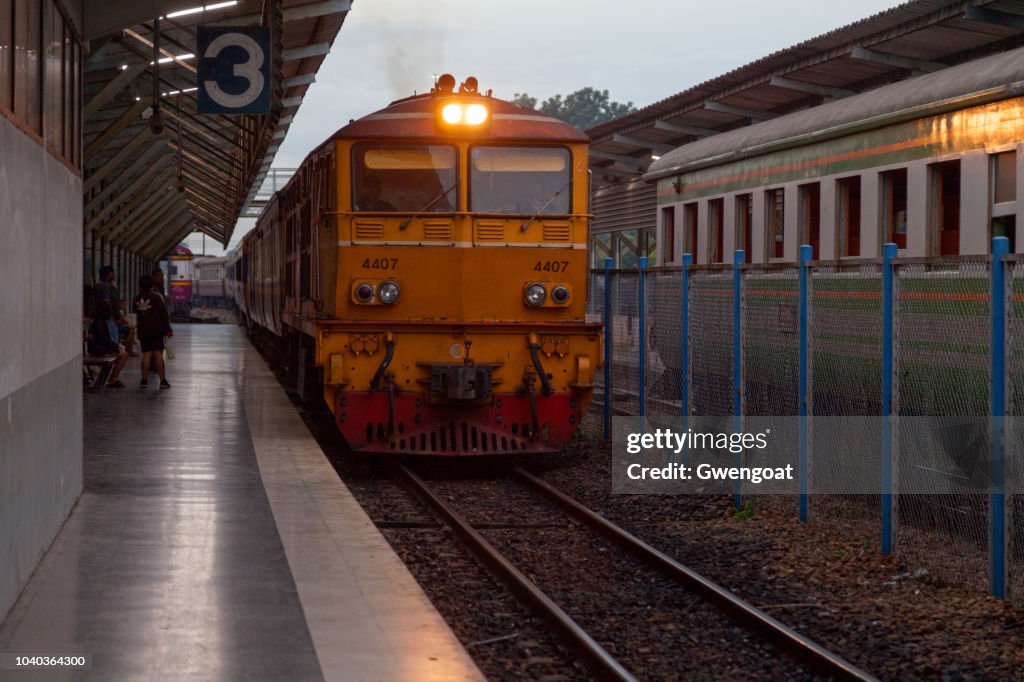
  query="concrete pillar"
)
[
  {"x": 919, "y": 242},
  {"x": 828, "y": 238},
  {"x": 975, "y": 203},
  {"x": 791, "y": 222},
  {"x": 729, "y": 223},
  {"x": 758, "y": 231},
  {"x": 703, "y": 254},
  {"x": 870, "y": 215}
]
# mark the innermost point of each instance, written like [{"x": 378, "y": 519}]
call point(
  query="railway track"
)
[{"x": 802, "y": 652}]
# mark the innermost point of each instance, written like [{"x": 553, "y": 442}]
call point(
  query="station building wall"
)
[
  {"x": 986, "y": 162},
  {"x": 41, "y": 305}
]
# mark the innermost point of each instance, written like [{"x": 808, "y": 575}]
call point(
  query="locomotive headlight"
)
[
  {"x": 364, "y": 293},
  {"x": 536, "y": 294},
  {"x": 389, "y": 292},
  {"x": 452, "y": 113},
  {"x": 476, "y": 114},
  {"x": 560, "y": 294}
]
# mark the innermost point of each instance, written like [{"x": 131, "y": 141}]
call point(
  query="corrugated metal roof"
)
[
  {"x": 146, "y": 191},
  {"x": 932, "y": 33},
  {"x": 965, "y": 79}
]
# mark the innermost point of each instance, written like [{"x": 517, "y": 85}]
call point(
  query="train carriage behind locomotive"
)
[{"x": 427, "y": 269}]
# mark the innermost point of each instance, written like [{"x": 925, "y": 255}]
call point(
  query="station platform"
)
[{"x": 213, "y": 541}]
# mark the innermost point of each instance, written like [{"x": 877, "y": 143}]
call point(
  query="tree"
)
[{"x": 584, "y": 108}]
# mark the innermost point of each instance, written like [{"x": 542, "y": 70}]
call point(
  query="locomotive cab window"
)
[
  {"x": 404, "y": 178},
  {"x": 520, "y": 180}
]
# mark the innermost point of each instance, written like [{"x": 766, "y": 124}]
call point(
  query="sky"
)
[{"x": 641, "y": 51}]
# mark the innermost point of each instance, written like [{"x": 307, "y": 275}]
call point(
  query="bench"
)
[{"x": 96, "y": 369}]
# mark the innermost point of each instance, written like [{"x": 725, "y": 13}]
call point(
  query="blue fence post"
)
[
  {"x": 684, "y": 333},
  {"x": 608, "y": 264},
  {"x": 997, "y": 505},
  {"x": 806, "y": 255},
  {"x": 889, "y": 252},
  {"x": 642, "y": 332},
  {"x": 738, "y": 258}
]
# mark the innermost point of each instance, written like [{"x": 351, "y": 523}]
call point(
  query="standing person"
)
[
  {"x": 154, "y": 324},
  {"x": 158, "y": 283}
]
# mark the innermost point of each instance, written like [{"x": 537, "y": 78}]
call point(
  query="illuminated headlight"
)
[
  {"x": 389, "y": 292},
  {"x": 452, "y": 113},
  {"x": 364, "y": 293},
  {"x": 536, "y": 294},
  {"x": 560, "y": 294},
  {"x": 476, "y": 114}
]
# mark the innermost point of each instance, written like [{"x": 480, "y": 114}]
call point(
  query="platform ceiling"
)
[
  {"x": 145, "y": 191},
  {"x": 917, "y": 37}
]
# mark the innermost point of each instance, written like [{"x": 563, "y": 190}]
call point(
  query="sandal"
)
[
  {"x": 115, "y": 384},
  {"x": 164, "y": 384}
]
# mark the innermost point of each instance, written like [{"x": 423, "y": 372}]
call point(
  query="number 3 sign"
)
[{"x": 233, "y": 70}]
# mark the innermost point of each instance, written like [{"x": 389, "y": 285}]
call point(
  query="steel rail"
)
[
  {"x": 812, "y": 654},
  {"x": 600, "y": 662}
]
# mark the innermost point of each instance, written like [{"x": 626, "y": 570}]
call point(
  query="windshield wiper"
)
[
  {"x": 526, "y": 224},
  {"x": 405, "y": 223}
]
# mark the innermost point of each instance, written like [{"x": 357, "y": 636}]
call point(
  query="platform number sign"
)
[{"x": 233, "y": 69}]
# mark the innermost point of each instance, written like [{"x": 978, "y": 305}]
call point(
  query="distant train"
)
[
  {"x": 425, "y": 271},
  {"x": 179, "y": 279},
  {"x": 930, "y": 163},
  {"x": 209, "y": 287}
]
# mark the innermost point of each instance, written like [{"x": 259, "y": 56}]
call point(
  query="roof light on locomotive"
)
[{"x": 457, "y": 111}]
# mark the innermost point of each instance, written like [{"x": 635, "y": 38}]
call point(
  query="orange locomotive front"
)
[{"x": 435, "y": 266}]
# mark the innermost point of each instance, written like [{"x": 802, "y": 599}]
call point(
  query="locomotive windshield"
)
[
  {"x": 404, "y": 178},
  {"x": 520, "y": 180}
]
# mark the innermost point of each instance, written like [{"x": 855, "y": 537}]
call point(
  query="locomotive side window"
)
[
  {"x": 404, "y": 178},
  {"x": 520, "y": 180}
]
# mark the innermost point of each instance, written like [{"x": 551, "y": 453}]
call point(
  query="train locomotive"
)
[{"x": 425, "y": 270}]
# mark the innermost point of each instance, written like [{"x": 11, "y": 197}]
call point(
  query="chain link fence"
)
[
  {"x": 939, "y": 341},
  {"x": 942, "y": 361},
  {"x": 845, "y": 376}
]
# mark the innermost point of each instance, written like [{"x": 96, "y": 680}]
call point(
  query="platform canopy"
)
[
  {"x": 917, "y": 37},
  {"x": 146, "y": 187}
]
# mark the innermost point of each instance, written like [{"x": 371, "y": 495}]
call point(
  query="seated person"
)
[
  {"x": 103, "y": 341},
  {"x": 368, "y": 195}
]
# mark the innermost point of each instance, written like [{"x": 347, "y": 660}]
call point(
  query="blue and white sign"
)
[{"x": 233, "y": 69}]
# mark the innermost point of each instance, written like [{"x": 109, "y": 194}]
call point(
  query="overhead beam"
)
[
  {"x": 165, "y": 52},
  {"x": 810, "y": 88},
  {"x": 684, "y": 130},
  {"x": 126, "y": 176},
  {"x": 131, "y": 115},
  {"x": 616, "y": 172},
  {"x": 114, "y": 86},
  {"x": 131, "y": 230},
  {"x": 136, "y": 193},
  {"x": 888, "y": 59},
  {"x": 291, "y": 102},
  {"x": 754, "y": 114},
  {"x": 314, "y": 50},
  {"x": 992, "y": 16},
  {"x": 146, "y": 234},
  {"x": 312, "y": 11},
  {"x": 160, "y": 241},
  {"x": 301, "y": 79},
  {"x": 114, "y": 162},
  {"x": 627, "y": 160},
  {"x": 655, "y": 147},
  {"x": 159, "y": 201},
  {"x": 127, "y": 199}
]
